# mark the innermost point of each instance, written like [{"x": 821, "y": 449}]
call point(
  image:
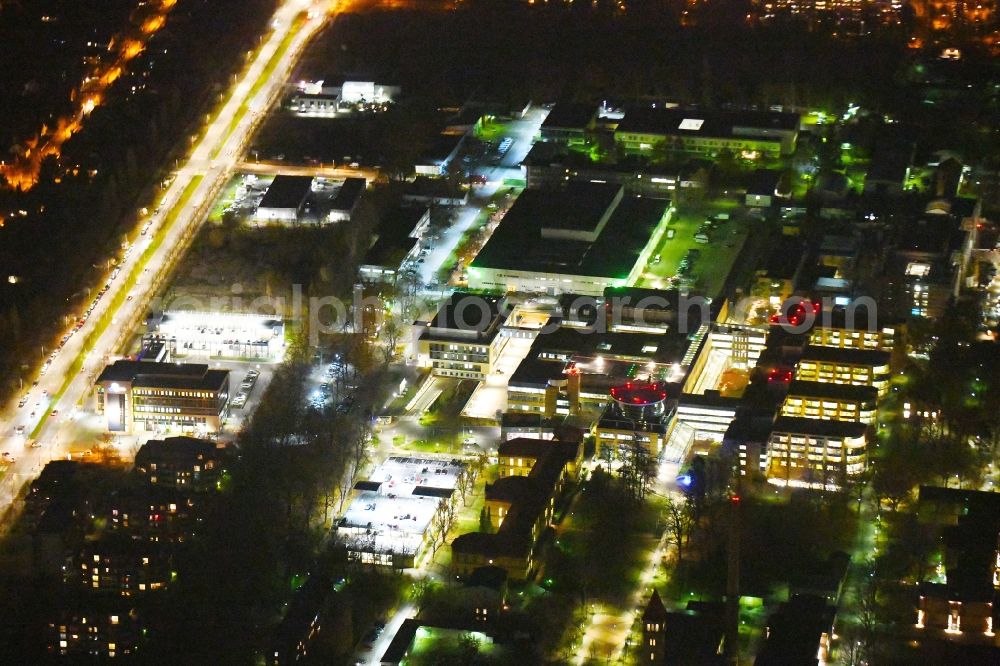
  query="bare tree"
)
[
  {"x": 679, "y": 522},
  {"x": 638, "y": 468},
  {"x": 439, "y": 528}
]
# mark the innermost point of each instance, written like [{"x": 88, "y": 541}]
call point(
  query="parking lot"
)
[
  {"x": 708, "y": 243},
  {"x": 330, "y": 384},
  {"x": 244, "y": 395}
]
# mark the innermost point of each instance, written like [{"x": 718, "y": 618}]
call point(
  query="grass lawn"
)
[
  {"x": 492, "y": 131},
  {"x": 225, "y": 198},
  {"x": 429, "y": 446}
]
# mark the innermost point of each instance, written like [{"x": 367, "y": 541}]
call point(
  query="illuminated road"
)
[
  {"x": 66, "y": 386},
  {"x": 23, "y": 173},
  {"x": 277, "y": 169},
  {"x": 605, "y": 636}
]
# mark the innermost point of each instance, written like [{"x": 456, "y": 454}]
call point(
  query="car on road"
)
[
  {"x": 19, "y": 430},
  {"x": 22, "y": 402},
  {"x": 55, "y": 413},
  {"x": 34, "y": 444}
]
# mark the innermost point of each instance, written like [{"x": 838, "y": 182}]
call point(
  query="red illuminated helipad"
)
[{"x": 640, "y": 393}]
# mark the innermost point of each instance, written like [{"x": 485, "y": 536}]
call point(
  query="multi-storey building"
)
[
  {"x": 691, "y": 637},
  {"x": 638, "y": 413},
  {"x": 100, "y": 631},
  {"x": 963, "y": 604},
  {"x": 518, "y": 456},
  {"x": 150, "y": 396},
  {"x": 120, "y": 566},
  {"x": 860, "y": 367},
  {"x": 153, "y": 513},
  {"x": 825, "y": 401},
  {"x": 180, "y": 462},
  {"x": 814, "y": 453},
  {"x": 464, "y": 338},
  {"x": 519, "y": 509}
]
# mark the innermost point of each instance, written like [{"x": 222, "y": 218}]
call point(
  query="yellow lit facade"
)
[
  {"x": 849, "y": 369},
  {"x": 812, "y": 400},
  {"x": 805, "y": 453}
]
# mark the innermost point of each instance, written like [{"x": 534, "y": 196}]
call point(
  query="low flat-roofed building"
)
[
  {"x": 520, "y": 509},
  {"x": 387, "y": 523},
  {"x": 397, "y": 244},
  {"x": 568, "y": 123},
  {"x": 766, "y": 133},
  {"x": 707, "y": 414},
  {"x": 844, "y": 365},
  {"x": 219, "y": 334},
  {"x": 762, "y": 190},
  {"x": 346, "y": 201},
  {"x": 463, "y": 339},
  {"x": 155, "y": 397},
  {"x": 439, "y": 154},
  {"x": 642, "y": 310},
  {"x": 327, "y": 97},
  {"x": 579, "y": 239},
  {"x": 814, "y": 453},
  {"x": 826, "y": 400},
  {"x": 284, "y": 200},
  {"x": 181, "y": 462},
  {"x": 434, "y": 191},
  {"x": 777, "y": 276},
  {"x": 551, "y": 164}
]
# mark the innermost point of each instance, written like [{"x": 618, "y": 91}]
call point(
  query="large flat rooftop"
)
[
  {"x": 286, "y": 192},
  {"x": 394, "y": 508},
  {"x": 192, "y": 376},
  {"x": 690, "y": 122},
  {"x": 520, "y": 241}
]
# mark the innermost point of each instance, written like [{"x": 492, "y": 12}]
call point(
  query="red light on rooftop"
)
[{"x": 735, "y": 499}]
